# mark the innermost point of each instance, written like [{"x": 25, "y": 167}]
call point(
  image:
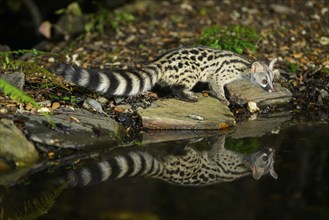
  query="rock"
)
[
  {"x": 16, "y": 79},
  {"x": 70, "y": 25},
  {"x": 174, "y": 114},
  {"x": 322, "y": 96},
  {"x": 75, "y": 129},
  {"x": 261, "y": 125},
  {"x": 160, "y": 136},
  {"x": 282, "y": 9},
  {"x": 243, "y": 91},
  {"x": 14, "y": 146}
]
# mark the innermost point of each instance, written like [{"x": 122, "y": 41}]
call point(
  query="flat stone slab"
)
[
  {"x": 243, "y": 91},
  {"x": 259, "y": 125},
  {"x": 75, "y": 128},
  {"x": 208, "y": 113}
]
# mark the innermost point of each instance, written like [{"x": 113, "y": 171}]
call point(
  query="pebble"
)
[
  {"x": 186, "y": 7},
  {"x": 3, "y": 111},
  {"x": 45, "y": 103},
  {"x": 324, "y": 10},
  {"x": 302, "y": 88},
  {"x": 51, "y": 60},
  {"x": 73, "y": 59},
  {"x": 43, "y": 109},
  {"x": 324, "y": 94},
  {"x": 235, "y": 15},
  {"x": 282, "y": 9},
  {"x": 252, "y": 107},
  {"x": 324, "y": 40},
  {"x": 102, "y": 100},
  {"x": 316, "y": 17}
]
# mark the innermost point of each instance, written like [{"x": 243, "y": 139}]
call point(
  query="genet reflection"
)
[{"x": 185, "y": 166}]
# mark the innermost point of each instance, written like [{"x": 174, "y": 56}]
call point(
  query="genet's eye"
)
[
  {"x": 264, "y": 81},
  {"x": 265, "y": 158}
]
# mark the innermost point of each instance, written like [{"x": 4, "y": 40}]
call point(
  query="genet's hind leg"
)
[{"x": 182, "y": 93}]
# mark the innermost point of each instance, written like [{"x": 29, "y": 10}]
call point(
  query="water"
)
[{"x": 300, "y": 192}]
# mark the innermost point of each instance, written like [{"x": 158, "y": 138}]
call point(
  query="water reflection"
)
[
  {"x": 183, "y": 166},
  {"x": 200, "y": 162},
  {"x": 300, "y": 192}
]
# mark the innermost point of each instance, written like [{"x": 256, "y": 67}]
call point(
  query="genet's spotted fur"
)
[{"x": 180, "y": 69}]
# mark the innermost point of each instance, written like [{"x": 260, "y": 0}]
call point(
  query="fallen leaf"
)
[
  {"x": 55, "y": 105},
  {"x": 119, "y": 109},
  {"x": 28, "y": 106},
  {"x": 297, "y": 55},
  {"x": 223, "y": 125}
]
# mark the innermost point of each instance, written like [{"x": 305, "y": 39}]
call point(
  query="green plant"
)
[
  {"x": 121, "y": 19},
  {"x": 72, "y": 99},
  {"x": 6, "y": 60},
  {"x": 46, "y": 85},
  {"x": 203, "y": 12},
  {"x": 16, "y": 94},
  {"x": 293, "y": 67},
  {"x": 98, "y": 20},
  {"x": 37, "y": 207},
  {"x": 235, "y": 38},
  {"x": 21, "y": 96},
  {"x": 72, "y": 9},
  {"x": 326, "y": 71}
]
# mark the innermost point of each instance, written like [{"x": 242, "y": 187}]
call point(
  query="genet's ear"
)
[
  {"x": 273, "y": 173},
  {"x": 272, "y": 63},
  {"x": 256, "y": 67}
]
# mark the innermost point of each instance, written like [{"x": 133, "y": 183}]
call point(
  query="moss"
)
[
  {"x": 245, "y": 146},
  {"x": 235, "y": 38}
]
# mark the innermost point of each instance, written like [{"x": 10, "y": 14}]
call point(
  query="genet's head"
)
[
  {"x": 262, "y": 162},
  {"x": 262, "y": 74}
]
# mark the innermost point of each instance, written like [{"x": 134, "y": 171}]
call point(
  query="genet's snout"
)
[{"x": 269, "y": 88}]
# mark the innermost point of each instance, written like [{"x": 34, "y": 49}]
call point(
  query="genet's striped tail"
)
[
  {"x": 111, "y": 83},
  {"x": 132, "y": 164}
]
